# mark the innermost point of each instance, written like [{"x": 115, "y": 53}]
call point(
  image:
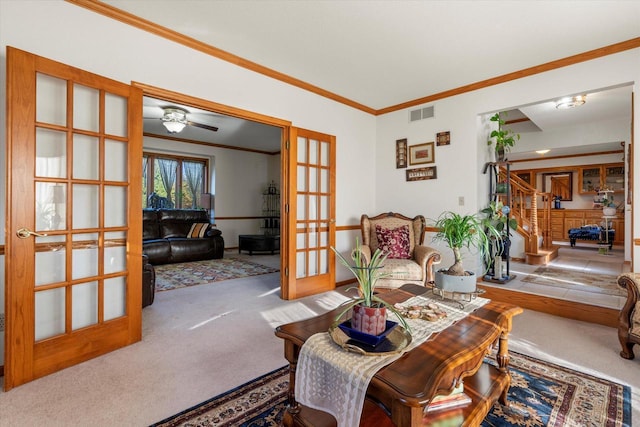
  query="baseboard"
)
[{"x": 557, "y": 307}]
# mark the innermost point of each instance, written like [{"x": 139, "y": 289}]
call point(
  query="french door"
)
[
  {"x": 310, "y": 220},
  {"x": 73, "y": 249}
]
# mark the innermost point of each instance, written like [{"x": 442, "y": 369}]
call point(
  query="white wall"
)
[{"x": 459, "y": 165}]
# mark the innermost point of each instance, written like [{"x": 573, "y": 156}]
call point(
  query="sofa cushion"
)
[
  {"x": 403, "y": 269},
  {"x": 150, "y": 225},
  {"x": 198, "y": 230},
  {"x": 178, "y": 222},
  {"x": 394, "y": 241},
  {"x": 185, "y": 250},
  {"x": 158, "y": 251}
]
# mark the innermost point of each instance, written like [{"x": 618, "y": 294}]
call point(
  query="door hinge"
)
[
  {"x": 286, "y": 208},
  {"x": 286, "y": 271},
  {"x": 286, "y": 145}
]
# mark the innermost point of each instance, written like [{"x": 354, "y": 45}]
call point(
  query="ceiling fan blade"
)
[{"x": 200, "y": 125}]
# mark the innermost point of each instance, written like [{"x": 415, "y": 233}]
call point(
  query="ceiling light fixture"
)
[
  {"x": 174, "y": 119},
  {"x": 570, "y": 102},
  {"x": 542, "y": 151}
]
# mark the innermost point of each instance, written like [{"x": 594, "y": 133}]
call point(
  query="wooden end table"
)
[{"x": 405, "y": 387}]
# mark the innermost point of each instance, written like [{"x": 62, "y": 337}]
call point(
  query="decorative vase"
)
[
  {"x": 500, "y": 154},
  {"x": 369, "y": 320},
  {"x": 608, "y": 211}
]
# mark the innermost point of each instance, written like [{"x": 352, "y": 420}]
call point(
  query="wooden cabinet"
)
[
  {"x": 593, "y": 178},
  {"x": 562, "y": 220}
]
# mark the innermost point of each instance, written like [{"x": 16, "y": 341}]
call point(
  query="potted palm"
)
[
  {"x": 369, "y": 311},
  {"x": 505, "y": 139},
  {"x": 463, "y": 231}
]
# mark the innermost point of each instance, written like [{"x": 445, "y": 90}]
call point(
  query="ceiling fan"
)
[{"x": 175, "y": 119}]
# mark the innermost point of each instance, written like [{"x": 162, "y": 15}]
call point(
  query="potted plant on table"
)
[
  {"x": 463, "y": 231},
  {"x": 369, "y": 311},
  {"x": 505, "y": 139}
]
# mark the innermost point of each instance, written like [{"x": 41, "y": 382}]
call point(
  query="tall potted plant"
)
[
  {"x": 505, "y": 139},
  {"x": 369, "y": 311},
  {"x": 462, "y": 231}
]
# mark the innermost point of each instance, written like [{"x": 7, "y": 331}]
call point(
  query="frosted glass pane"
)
[
  {"x": 84, "y": 256},
  {"x": 85, "y": 206},
  {"x": 301, "y": 267},
  {"x": 313, "y": 208},
  {"x": 115, "y": 115},
  {"x": 86, "y": 157},
  {"x": 86, "y": 108},
  {"x": 324, "y": 180},
  {"x": 324, "y": 153},
  {"x": 313, "y": 179},
  {"x": 302, "y": 206},
  {"x": 51, "y": 100},
  {"x": 313, "y": 263},
  {"x": 115, "y": 252},
  {"x": 115, "y": 199},
  {"x": 324, "y": 262},
  {"x": 324, "y": 207},
  {"x": 85, "y": 305},
  {"x": 115, "y": 291},
  {"x": 302, "y": 150},
  {"x": 301, "y": 241},
  {"x": 324, "y": 238},
  {"x": 50, "y": 206},
  {"x": 313, "y": 151},
  {"x": 313, "y": 240},
  {"x": 115, "y": 161},
  {"x": 51, "y": 153},
  {"x": 50, "y": 313},
  {"x": 302, "y": 178},
  {"x": 50, "y": 260}
]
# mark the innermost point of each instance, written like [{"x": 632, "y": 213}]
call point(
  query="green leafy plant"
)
[
  {"x": 465, "y": 231},
  {"x": 367, "y": 275},
  {"x": 505, "y": 139},
  {"x": 497, "y": 216}
]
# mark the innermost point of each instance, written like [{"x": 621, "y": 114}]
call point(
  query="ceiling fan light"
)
[
  {"x": 174, "y": 127},
  {"x": 571, "y": 102},
  {"x": 174, "y": 119}
]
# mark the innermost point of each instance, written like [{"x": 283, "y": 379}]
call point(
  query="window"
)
[{"x": 173, "y": 181}]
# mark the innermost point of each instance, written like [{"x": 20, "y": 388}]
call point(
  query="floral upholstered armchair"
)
[
  {"x": 401, "y": 238},
  {"x": 629, "y": 320}
]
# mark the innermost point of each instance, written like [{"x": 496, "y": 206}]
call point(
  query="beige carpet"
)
[
  {"x": 575, "y": 279},
  {"x": 180, "y": 275}
]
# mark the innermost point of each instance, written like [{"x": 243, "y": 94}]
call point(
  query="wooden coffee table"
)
[{"x": 405, "y": 387}]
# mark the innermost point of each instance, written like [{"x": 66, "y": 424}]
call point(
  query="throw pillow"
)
[
  {"x": 198, "y": 229},
  {"x": 394, "y": 241}
]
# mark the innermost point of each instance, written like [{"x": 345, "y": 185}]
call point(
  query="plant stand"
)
[{"x": 498, "y": 270}]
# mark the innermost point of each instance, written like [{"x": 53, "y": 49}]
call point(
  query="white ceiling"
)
[{"x": 382, "y": 53}]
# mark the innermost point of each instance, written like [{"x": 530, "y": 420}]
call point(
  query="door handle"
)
[{"x": 24, "y": 233}]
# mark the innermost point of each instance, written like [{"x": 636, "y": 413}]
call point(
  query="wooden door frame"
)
[{"x": 203, "y": 104}]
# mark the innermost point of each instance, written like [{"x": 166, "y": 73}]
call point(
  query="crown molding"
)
[{"x": 143, "y": 24}]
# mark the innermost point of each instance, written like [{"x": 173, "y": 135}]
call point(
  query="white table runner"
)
[{"x": 334, "y": 380}]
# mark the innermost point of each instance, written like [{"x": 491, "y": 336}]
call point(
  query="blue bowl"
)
[{"x": 368, "y": 339}]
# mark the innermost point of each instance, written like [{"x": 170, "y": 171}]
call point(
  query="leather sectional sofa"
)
[{"x": 165, "y": 236}]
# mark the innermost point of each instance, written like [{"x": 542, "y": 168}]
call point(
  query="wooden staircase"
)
[{"x": 526, "y": 203}]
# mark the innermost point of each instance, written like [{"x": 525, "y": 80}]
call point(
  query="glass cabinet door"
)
[
  {"x": 614, "y": 178},
  {"x": 590, "y": 180}
]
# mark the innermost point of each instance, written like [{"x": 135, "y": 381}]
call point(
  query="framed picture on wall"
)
[
  {"x": 401, "y": 153},
  {"x": 443, "y": 138},
  {"x": 421, "y": 153},
  {"x": 420, "y": 174}
]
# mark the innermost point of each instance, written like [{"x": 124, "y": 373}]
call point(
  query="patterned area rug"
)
[
  {"x": 575, "y": 280},
  {"x": 541, "y": 394},
  {"x": 180, "y": 275}
]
